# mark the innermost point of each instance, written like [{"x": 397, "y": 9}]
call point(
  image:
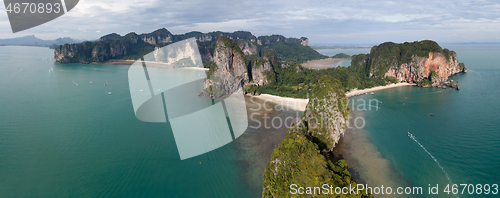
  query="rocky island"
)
[{"x": 423, "y": 62}]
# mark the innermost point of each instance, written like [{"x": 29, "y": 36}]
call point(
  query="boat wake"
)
[{"x": 435, "y": 160}]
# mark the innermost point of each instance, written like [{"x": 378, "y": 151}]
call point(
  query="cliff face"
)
[
  {"x": 259, "y": 67},
  {"x": 228, "y": 70},
  {"x": 423, "y": 62},
  {"x": 421, "y": 68},
  {"x": 327, "y": 113},
  {"x": 248, "y": 47},
  {"x": 64, "y": 52}
]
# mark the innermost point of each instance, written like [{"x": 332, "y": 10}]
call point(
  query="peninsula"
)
[{"x": 271, "y": 66}]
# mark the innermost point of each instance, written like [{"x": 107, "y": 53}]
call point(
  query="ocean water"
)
[
  {"x": 460, "y": 144},
  {"x": 332, "y": 52},
  {"x": 58, "y": 139}
]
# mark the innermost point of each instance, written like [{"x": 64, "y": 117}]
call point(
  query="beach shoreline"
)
[
  {"x": 323, "y": 63},
  {"x": 355, "y": 92},
  {"x": 149, "y": 64},
  {"x": 296, "y": 104},
  {"x": 360, "y": 48}
]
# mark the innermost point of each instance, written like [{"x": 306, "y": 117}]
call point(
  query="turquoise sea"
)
[
  {"x": 62, "y": 140},
  {"x": 62, "y": 136},
  {"x": 460, "y": 144}
]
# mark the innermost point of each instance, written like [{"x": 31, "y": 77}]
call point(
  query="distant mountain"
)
[
  {"x": 133, "y": 46},
  {"x": 33, "y": 41}
]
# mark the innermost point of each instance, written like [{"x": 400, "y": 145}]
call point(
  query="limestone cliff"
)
[
  {"x": 247, "y": 47},
  {"x": 421, "y": 68},
  {"x": 228, "y": 70},
  {"x": 259, "y": 69},
  {"x": 327, "y": 114},
  {"x": 409, "y": 62},
  {"x": 133, "y": 46}
]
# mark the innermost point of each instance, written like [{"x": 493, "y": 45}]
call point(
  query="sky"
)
[{"x": 340, "y": 22}]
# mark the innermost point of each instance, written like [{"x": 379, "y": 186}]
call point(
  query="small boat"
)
[
  {"x": 409, "y": 134},
  {"x": 372, "y": 93},
  {"x": 431, "y": 114},
  {"x": 90, "y": 82},
  {"x": 141, "y": 90},
  {"x": 106, "y": 84},
  {"x": 380, "y": 102},
  {"x": 109, "y": 93}
]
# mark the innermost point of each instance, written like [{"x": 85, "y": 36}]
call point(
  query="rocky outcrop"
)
[
  {"x": 63, "y": 53},
  {"x": 228, "y": 70},
  {"x": 247, "y": 47},
  {"x": 89, "y": 52},
  {"x": 326, "y": 115},
  {"x": 302, "y": 157},
  {"x": 259, "y": 68},
  {"x": 421, "y": 68},
  {"x": 304, "y": 41}
]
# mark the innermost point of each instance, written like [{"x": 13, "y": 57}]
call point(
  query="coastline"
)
[
  {"x": 296, "y": 104},
  {"x": 323, "y": 63},
  {"x": 149, "y": 64},
  {"x": 355, "y": 92},
  {"x": 360, "y": 48},
  {"x": 365, "y": 162}
]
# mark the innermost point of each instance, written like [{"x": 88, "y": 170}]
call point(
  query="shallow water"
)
[{"x": 58, "y": 139}]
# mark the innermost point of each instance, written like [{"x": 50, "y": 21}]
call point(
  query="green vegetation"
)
[
  {"x": 462, "y": 66},
  {"x": 305, "y": 166},
  {"x": 295, "y": 52},
  {"x": 230, "y": 44},
  {"x": 434, "y": 76},
  {"x": 212, "y": 69},
  {"x": 297, "y": 81},
  {"x": 301, "y": 158},
  {"x": 425, "y": 82},
  {"x": 341, "y": 55}
]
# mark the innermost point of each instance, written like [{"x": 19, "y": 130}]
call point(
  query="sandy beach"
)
[
  {"x": 358, "y": 92},
  {"x": 297, "y": 104},
  {"x": 323, "y": 63}
]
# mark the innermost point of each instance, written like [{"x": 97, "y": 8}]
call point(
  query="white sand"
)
[
  {"x": 323, "y": 63},
  {"x": 297, "y": 104},
  {"x": 357, "y": 92}
]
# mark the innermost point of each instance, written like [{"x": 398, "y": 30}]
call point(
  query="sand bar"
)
[
  {"x": 148, "y": 63},
  {"x": 297, "y": 104},
  {"x": 323, "y": 63},
  {"x": 358, "y": 92}
]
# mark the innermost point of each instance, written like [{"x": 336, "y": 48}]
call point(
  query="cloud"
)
[{"x": 341, "y": 21}]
